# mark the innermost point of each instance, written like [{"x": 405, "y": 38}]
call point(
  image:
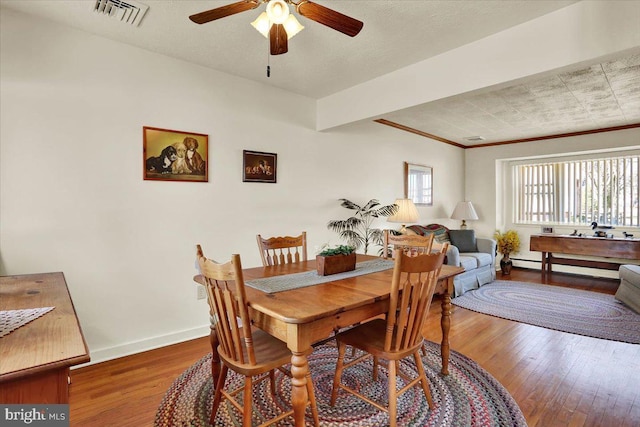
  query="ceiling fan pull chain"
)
[{"x": 268, "y": 63}]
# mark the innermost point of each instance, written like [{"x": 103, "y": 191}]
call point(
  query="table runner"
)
[
  {"x": 287, "y": 282},
  {"x": 10, "y": 320}
]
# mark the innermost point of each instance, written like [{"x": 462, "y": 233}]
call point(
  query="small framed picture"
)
[
  {"x": 547, "y": 230},
  {"x": 259, "y": 167},
  {"x": 173, "y": 155}
]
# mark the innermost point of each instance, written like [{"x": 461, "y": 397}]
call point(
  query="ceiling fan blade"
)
[
  {"x": 278, "y": 39},
  {"x": 222, "y": 11},
  {"x": 330, "y": 18}
]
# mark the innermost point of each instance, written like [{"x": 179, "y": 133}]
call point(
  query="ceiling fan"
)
[{"x": 278, "y": 24}]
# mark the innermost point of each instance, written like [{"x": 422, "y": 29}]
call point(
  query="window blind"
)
[{"x": 579, "y": 192}]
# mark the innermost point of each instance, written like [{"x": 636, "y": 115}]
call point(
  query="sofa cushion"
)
[
  {"x": 481, "y": 258},
  {"x": 468, "y": 262},
  {"x": 440, "y": 232},
  {"x": 464, "y": 240}
]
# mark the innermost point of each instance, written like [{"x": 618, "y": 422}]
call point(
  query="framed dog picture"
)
[
  {"x": 172, "y": 155},
  {"x": 259, "y": 167}
]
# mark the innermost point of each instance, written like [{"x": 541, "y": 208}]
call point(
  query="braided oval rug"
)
[
  {"x": 468, "y": 396},
  {"x": 588, "y": 313}
]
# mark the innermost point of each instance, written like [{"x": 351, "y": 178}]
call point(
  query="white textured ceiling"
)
[
  {"x": 322, "y": 61},
  {"x": 599, "y": 96}
]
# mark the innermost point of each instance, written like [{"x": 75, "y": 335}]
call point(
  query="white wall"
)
[
  {"x": 72, "y": 197},
  {"x": 485, "y": 185}
]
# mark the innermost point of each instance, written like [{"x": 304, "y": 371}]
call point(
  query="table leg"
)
[
  {"x": 445, "y": 323},
  {"x": 299, "y": 398},
  {"x": 546, "y": 263}
]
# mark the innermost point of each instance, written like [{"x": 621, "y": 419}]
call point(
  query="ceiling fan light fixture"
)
[
  {"x": 262, "y": 24},
  {"x": 292, "y": 26},
  {"x": 277, "y": 22},
  {"x": 277, "y": 11}
]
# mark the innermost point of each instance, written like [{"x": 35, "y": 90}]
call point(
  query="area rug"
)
[
  {"x": 468, "y": 396},
  {"x": 576, "y": 311}
]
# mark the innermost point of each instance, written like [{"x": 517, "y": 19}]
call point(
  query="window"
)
[{"x": 579, "y": 192}]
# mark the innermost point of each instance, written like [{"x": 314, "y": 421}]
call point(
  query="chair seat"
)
[
  {"x": 270, "y": 353},
  {"x": 370, "y": 337}
]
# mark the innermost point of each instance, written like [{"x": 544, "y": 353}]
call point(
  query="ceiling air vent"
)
[
  {"x": 130, "y": 12},
  {"x": 474, "y": 138}
]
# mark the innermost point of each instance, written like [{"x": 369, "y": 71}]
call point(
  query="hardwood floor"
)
[{"x": 557, "y": 379}]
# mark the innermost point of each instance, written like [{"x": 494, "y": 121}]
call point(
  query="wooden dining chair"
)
[
  {"x": 246, "y": 350},
  {"x": 282, "y": 250},
  {"x": 413, "y": 244},
  {"x": 400, "y": 334}
]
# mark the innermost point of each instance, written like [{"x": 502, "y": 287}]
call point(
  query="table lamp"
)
[
  {"x": 406, "y": 213},
  {"x": 464, "y": 210}
]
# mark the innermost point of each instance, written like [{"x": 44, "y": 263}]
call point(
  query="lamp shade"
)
[
  {"x": 292, "y": 26},
  {"x": 262, "y": 24},
  {"x": 464, "y": 210},
  {"x": 407, "y": 212}
]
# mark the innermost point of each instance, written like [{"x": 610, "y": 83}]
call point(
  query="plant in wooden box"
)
[
  {"x": 508, "y": 243},
  {"x": 356, "y": 230},
  {"x": 336, "y": 260}
]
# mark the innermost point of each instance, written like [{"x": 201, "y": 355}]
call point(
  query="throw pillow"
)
[
  {"x": 464, "y": 240},
  {"x": 440, "y": 232}
]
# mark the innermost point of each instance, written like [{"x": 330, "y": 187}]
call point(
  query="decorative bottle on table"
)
[
  {"x": 508, "y": 242},
  {"x": 506, "y": 264}
]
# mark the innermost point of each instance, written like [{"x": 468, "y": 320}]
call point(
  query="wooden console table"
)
[
  {"x": 615, "y": 247},
  {"x": 35, "y": 358}
]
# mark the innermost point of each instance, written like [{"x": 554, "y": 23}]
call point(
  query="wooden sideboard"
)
[
  {"x": 549, "y": 244},
  {"x": 35, "y": 358}
]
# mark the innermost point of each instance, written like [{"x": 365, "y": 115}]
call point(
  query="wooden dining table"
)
[{"x": 304, "y": 316}]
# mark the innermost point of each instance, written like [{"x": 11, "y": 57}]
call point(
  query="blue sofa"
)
[{"x": 476, "y": 255}]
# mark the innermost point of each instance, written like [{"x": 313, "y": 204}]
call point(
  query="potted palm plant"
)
[
  {"x": 356, "y": 229},
  {"x": 336, "y": 260}
]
